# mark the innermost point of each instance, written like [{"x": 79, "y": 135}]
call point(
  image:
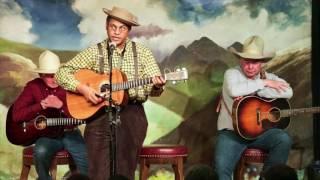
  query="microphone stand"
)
[{"x": 113, "y": 122}]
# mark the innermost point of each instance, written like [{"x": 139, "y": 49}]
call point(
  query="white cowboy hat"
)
[
  {"x": 122, "y": 15},
  {"x": 49, "y": 63},
  {"x": 253, "y": 49}
]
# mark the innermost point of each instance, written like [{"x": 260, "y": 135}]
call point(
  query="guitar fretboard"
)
[
  {"x": 294, "y": 112},
  {"x": 131, "y": 84},
  {"x": 63, "y": 121}
]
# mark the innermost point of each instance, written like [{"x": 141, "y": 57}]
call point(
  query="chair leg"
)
[
  {"x": 144, "y": 169},
  {"x": 178, "y": 169},
  {"x": 25, "y": 172}
]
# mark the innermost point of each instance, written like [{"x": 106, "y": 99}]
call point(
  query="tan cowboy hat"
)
[
  {"x": 48, "y": 63},
  {"x": 122, "y": 15},
  {"x": 253, "y": 49}
]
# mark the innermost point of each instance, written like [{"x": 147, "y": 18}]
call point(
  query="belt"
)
[
  {"x": 135, "y": 102},
  {"x": 70, "y": 129}
]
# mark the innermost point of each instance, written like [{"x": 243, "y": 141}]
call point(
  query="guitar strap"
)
[
  {"x": 135, "y": 58},
  {"x": 262, "y": 76},
  {"x": 101, "y": 64}
]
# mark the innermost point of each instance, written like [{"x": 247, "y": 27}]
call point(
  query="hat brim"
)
[
  {"x": 264, "y": 57},
  {"x": 130, "y": 23},
  {"x": 45, "y": 71}
]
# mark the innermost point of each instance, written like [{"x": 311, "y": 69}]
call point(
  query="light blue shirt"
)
[{"x": 237, "y": 84}]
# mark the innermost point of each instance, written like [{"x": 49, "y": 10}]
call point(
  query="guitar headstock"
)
[{"x": 177, "y": 75}]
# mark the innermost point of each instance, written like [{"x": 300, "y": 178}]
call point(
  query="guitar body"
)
[
  {"x": 25, "y": 135},
  {"x": 79, "y": 107},
  {"x": 254, "y": 115}
]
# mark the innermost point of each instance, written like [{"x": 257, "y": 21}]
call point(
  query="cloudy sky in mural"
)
[{"x": 76, "y": 24}]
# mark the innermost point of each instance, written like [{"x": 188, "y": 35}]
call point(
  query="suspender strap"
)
[
  {"x": 135, "y": 58},
  {"x": 263, "y": 74},
  {"x": 101, "y": 59},
  {"x": 225, "y": 105}
]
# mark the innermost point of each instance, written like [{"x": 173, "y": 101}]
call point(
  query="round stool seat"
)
[
  {"x": 163, "y": 154},
  {"x": 249, "y": 155},
  {"x": 28, "y": 153},
  {"x": 255, "y": 154},
  {"x": 61, "y": 157},
  {"x": 163, "y": 150}
]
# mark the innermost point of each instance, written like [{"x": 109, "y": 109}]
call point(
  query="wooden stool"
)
[
  {"x": 163, "y": 154},
  {"x": 61, "y": 157},
  {"x": 250, "y": 155}
]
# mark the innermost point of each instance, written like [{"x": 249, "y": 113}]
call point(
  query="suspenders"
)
[
  {"x": 101, "y": 58},
  {"x": 135, "y": 58}
]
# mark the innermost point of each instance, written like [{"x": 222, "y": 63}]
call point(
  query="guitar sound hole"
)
[
  {"x": 40, "y": 123},
  {"x": 104, "y": 88},
  {"x": 274, "y": 115}
]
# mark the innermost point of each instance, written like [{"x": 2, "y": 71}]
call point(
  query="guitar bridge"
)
[{"x": 258, "y": 116}]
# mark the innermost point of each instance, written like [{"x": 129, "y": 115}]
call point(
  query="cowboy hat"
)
[
  {"x": 48, "y": 63},
  {"x": 122, "y": 15},
  {"x": 253, "y": 49}
]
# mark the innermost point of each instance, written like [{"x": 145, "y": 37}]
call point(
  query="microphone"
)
[{"x": 112, "y": 46}]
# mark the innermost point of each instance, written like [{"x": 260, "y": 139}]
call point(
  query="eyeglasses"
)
[{"x": 120, "y": 29}]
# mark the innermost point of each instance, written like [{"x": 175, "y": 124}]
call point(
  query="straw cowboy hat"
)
[
  {"x": 122, "y": 15},
  {"x": 48, "y": 63},
  {"x": 253, "y": 49}
]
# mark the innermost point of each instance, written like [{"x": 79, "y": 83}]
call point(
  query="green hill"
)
[{"x": 30, "y": 51}]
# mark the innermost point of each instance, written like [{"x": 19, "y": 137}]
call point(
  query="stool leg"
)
[
  {"x": 239, "y": 171},
  {"x": 178, "y": 169},
  {"x": 25, "y": 172},
  {"x": 144, "y": 169},
  {"x": 53, "y": 169},
  {"x": 72, "y": 166}
]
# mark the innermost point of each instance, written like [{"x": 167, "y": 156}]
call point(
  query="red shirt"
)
[{"x": 27, "y": 105}]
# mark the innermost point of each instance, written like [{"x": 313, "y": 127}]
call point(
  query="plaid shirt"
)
[{"x": 122, "y": 60}]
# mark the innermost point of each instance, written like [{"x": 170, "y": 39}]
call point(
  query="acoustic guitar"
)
[
  {"x": 253, "y": 115},
  {"x": 80, "y": 108},
  {"x": 27, "y": 132}
]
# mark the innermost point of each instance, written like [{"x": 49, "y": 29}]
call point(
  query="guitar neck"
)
[
  {"x": 294, "y": 112},
  {"x": 63, "y": 121},
  {"x": 131, "y": 84}
]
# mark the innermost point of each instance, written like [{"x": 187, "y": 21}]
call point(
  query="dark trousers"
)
[{"x": 130, "y": 136}]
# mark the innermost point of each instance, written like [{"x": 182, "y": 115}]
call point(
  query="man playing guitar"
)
[
  {"x": 44, "y": 96},
  {"x": 135, "y": 61},
  {"x": 249, "y": 79}
]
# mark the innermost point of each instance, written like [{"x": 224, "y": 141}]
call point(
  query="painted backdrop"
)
[{"x": 195, "y": 34}]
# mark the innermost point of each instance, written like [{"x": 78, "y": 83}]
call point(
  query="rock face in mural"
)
[{"x": 13, "y": 75}]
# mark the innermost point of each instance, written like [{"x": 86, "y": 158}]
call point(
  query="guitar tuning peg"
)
[
  {"x": 166, "y": 70},
  {"x": 178, "y": 69},
  {"x": 174, "y": 82},
  {"x": 183, "y": 69}
]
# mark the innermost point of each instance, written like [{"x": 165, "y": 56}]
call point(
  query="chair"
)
[
  {"x": 163, "y": 154},
  {"x": 250, "y": 155},
  {"x": 61, "y": 157}
]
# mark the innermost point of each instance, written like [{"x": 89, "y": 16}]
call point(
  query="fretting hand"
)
[{"x": 158, "y": 81}]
